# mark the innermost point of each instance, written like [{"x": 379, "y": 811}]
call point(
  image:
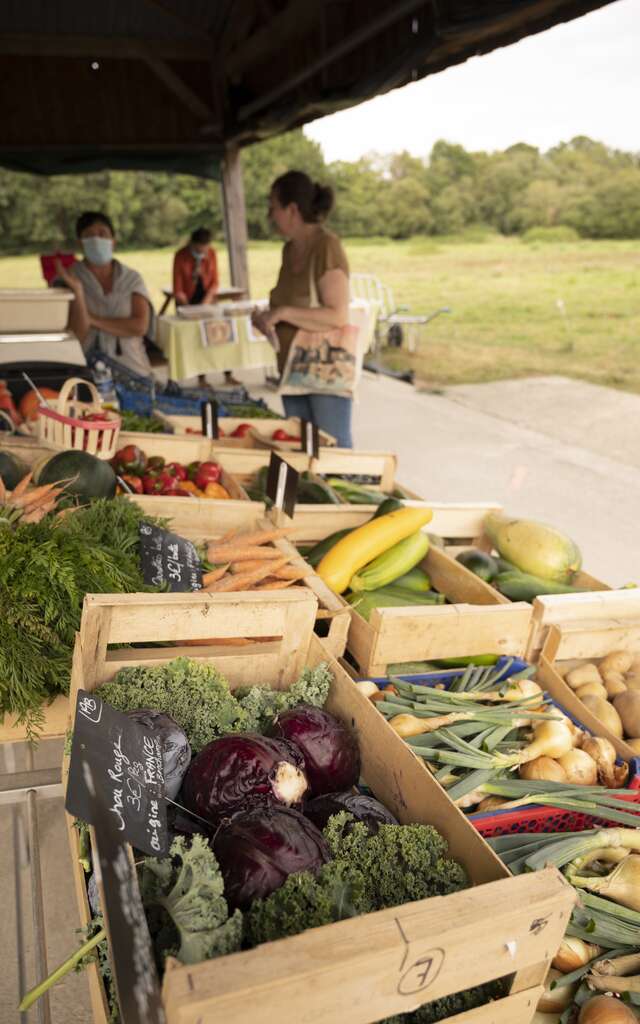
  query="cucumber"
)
[
  {"x": 479, "y": 563},
  {"x": 317, "y": 553},
  {"x": 520, "y": 586},
  {"x": 386, "y": 506},
  {"x": 416, "y": 579}
]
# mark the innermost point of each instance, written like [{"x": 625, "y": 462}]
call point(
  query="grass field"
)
[{"x": 517, "y": 308}]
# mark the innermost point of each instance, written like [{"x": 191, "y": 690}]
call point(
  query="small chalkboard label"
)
[
  {"x": 166, "y": 558},
  {"x": 282, "y": 484},
  {"x": 130, "y": 949},
  {"x": 116, "y": 769},
  {"x": 310, "y": 438},
  {"x": 209, "y": 414}
]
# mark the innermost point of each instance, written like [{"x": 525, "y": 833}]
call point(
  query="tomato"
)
[
  {"x": 97, "y": 417},
  {"x": 29, "y": 403},
  {"x": 130, "y": 459},
  {"x": 282, "y": 435},
  {"x": 241, "y": 430},
  {"x": 176, "y": 469},
  {"x": 134, "y": 483},
  {"x": 208, "y": 473},
  {"x": 152, "y": 483}
]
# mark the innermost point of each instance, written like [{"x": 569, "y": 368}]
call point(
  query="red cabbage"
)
[
  {"x": 364, "y": 808},
  {"x": 258, "y": 849},
  {"x": 330, "y": 751},
  {"x": 233, "y": 769}
]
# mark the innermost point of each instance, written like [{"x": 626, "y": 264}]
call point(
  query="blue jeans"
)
[{"x": 329, "y": 412}]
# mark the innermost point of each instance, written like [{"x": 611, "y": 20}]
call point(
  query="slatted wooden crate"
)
[
  {"x": 198, "y": 521},
  {"x": 564, "y": 609},
  {"x": 368, "y": 967},
  {"x": 260, "y": 435},
  {"x": 477, "y": 621},
  {"x": 577, "y": 641}
]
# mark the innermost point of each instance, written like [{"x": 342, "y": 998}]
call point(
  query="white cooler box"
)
[{"x": 34, "y": 309}]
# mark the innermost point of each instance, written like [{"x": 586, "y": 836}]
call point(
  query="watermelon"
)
[
  {"x": 88, "y": 476},
  {"x": 12, "y": 470}
]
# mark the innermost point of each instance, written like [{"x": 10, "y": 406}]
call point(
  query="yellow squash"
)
[
  {"x": 532, "y": 547},
  {"x": 361, "y": 546}
]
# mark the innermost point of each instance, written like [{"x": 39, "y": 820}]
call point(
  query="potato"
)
[
  {"x": 627, "y": 706},
  {"x": 632, "y": 680},
  {"x": 617, "y": 661},
  {"x": 605, "y": 713},
  {"x": 587, "y": 673},
  {"x": 592, "y": 690},
  {"x": 614, "y": 684}
]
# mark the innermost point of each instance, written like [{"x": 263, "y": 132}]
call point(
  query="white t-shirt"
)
[{"x": 130, "y": 352}]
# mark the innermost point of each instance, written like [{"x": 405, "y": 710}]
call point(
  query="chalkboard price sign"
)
[
  {"x": 310, "y": 438},
  {"x": 116, "y": 769},
  {"x": 169, "y": 559},
  {"x": 282, "y": 484},
  {"x": 130, "y": 950},
  {"x": 209, "y": 414}
]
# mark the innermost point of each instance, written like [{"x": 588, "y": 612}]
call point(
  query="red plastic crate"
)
[{"x": 536, "y": 818}]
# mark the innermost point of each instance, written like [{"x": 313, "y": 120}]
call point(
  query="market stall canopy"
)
[{"x": 167, "y": 84}]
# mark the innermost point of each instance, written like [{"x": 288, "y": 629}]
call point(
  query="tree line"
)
[{"x": 580, "y": 187}]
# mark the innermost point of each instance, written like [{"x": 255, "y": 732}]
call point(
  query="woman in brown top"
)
[{"x": 297, "y": 208}]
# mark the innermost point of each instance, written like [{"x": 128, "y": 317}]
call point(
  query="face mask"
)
[
  {"x": 98, "y": 250},
  {"x": 198, "y": 256}
]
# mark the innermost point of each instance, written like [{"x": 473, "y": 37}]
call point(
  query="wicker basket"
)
[{"x": 63, "y": 428}]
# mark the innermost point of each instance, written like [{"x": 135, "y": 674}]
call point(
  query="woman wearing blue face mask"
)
[{"x": 112, "y": 309}]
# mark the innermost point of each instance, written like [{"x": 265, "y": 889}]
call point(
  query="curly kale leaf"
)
[
  {"x": 401, "y": 862},
  {"x": 197, "y": 696},
  {"x": 336, "y": 892},
  {"x": 262, "y": 704},
  {"x": 187, "y": 888}
]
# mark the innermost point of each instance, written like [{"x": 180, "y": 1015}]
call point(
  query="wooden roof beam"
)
[
  {"x": 119, "y": 48},
  {"x": 293, "y": 19},
  {"x": 372, "y": 28},
  {"x": 179, "y": 88}
]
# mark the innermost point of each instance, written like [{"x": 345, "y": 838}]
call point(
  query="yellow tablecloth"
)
[{"x": 181, "y": 342}]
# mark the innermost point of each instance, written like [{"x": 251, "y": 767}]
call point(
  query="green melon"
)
[{"x": 88, "y": 476}]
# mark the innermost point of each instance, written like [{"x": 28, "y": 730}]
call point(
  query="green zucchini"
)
[
  {"x": 521, "y": 586},
  {"x": 315, "y": 555},
  {"x": 479, "y": 563},
  {"x": 392, "y": 564},
  {"x": 354, "y": 494},
  {"x": 416, "y": 579},
  {"x": 386, "y": 506},
  {"x": 365, "y": 601}
]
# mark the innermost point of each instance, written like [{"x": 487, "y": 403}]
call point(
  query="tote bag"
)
[{"x": 322, "y": 362}]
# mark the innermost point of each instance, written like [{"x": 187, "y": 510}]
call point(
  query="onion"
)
[
  {"x": 622, "y": 885},
  {"x": 574, "y": 953},
  {"x": 557, "y": 999},
  {"x": 543, "y": 768},
  {"x": 491, "y": 803},
  {"x": 603, "y": 753},
  {"x": 550, "y": 739},
  {"x": 580, "y": 769},
  {"x": 367, "y": 688},
  {"x": 606, "y": 1010}
]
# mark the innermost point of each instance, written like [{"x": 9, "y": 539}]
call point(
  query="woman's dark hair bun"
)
[
  {"x": 322, "y": 202},
  {"x": 313, "y": 200}
]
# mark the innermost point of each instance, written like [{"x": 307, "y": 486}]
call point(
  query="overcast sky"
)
[{"x": 581, "y": 78}]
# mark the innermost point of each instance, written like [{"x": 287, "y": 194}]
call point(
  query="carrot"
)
[
  {"x": 263, "y": 536},
  {"x": 232, "y": 553},
  {"x": 34, "y": 497},
  {"x": 226, "y": 537},
  {"x": 21, "y": 487},
  {"x": 242, "y": 581},
  {"x": 215, "y": 574},
  {"x": 289, "y": 572},
  {"x": 274, "y": 585}
]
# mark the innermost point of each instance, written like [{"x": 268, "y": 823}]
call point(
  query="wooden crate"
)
[
  {"x": 375, "y": 965},
  {"x": 477, "y": 621},
  {"x": 563, "y": 609},
  {"x": 259, "y": 437},
  {"x": 197, "y": 521},
  {"x": 590, "y": 640}
]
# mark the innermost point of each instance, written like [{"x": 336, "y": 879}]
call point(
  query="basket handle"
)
[{"x": 69, "y": 385}]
